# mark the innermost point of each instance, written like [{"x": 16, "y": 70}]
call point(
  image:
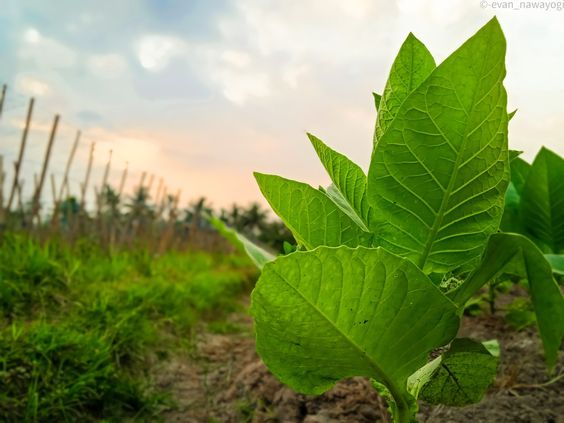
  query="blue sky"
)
[{"x": 202, "y": 93}]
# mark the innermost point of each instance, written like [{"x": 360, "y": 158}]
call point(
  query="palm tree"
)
[
  {"x": 197, "y": 211},
  {"x": 253, "y": 220},
  {"x": 69, "y": 209},
  {"x": 235, "y": 218},
  {"x": 111, "y": 202},
  {"x": 139, "y": 207}
]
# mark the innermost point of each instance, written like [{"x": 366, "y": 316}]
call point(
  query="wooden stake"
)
[
  {"x": 37, "y": 195},
  {"x": 106, "y": 173},
  {"x": 21, "y": 153},
  {"x": 123, "y": 178},
  {"x": 159, "y": 189},
  {"x": 20, "y": 197},
  {"x": 84, "y": 185},
  {"x": 100, "y": 192},
  {"x": 54, "y": 191},
  {"x": 67, "y": 168},
  {"x": 2, "y": 98}
]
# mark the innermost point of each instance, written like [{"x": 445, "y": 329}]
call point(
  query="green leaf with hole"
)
[
  {"x": 458, "y": 377},
  {"x": 331, "y": 313},
  {"x": 438, "y": 175}
]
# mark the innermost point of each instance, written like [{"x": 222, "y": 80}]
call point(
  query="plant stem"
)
[{"x": 404, "y": 412}]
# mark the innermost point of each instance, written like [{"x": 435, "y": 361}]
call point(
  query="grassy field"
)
[{"x": 80, "y": 328}]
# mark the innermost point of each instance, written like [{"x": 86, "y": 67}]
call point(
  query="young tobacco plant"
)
[
  {"x": 365, "y": 294},
  {"x": 534, "y": 204}
]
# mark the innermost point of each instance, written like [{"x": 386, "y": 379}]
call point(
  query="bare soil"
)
[{"x": 223, "y": 380}]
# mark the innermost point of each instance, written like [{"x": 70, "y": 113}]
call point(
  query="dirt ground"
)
[{"x": 225, "y": 381}]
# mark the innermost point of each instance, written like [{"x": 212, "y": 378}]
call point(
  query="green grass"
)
[{"x": 80, "y": 327}]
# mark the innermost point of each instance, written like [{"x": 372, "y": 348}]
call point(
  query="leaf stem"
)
[{"x": 404, "y": 412}]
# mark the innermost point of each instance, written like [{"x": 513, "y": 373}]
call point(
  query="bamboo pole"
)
[
  {"x": 123, "y": 178},
  {"x": 37, "y": 195},
  {"x": 98, "y": 197},
  {"x": 100, "y": 192},
  {"x": 20, "y": 195},
  {"x": 84, "y": 185},
  {"x": 107, "y": 171},
  {"x": 19, "y": 188},
  {"x": 54, "y": 191},
  {"x": 2, "y": 98},
  {"x": 162, "y": 204},
  {"x": 54, "y": 218},
  {"x": 68, "y": 166},
  {"x": 64, "y": 185},
  {"x": 159, "y": 189},
  {"x": 21, "y": 153},
  {"x": 168, "y": 234}
]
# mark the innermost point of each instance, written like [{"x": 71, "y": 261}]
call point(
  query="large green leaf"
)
[
  {"x": 512, "y": 220},
  {"x": 543, "y": 201},
  {"x": 257, "y": 254},
  {"x": 519, "y": 172},
  {"x": 516, "y": 254},
  {"x": 458, "y": 377},
  {"x": 439, "y": 174},
  {"x": 349, "y": 180},
  {"x": 556, "y": 262},
  {"x": 332, "y": 313},
  {"x": 310, "y": 214},
  {"x": 411, "y": 66}
]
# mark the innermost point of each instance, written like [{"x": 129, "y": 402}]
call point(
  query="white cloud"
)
[
  {"x": 46, "y": 52},
  {"x": 292, "y": 73},
  {"x": 32, "y": 36},
  {"x": 31, "y": 86},
  {"x": 440, "y": 11},
  {"x": 357, "y": 9},
  {"x": 238, "y": 87},
  {"x": 156, "y": 51},
  {"x": 236, "y": 58},
  {"x": 107, "y": 65}
]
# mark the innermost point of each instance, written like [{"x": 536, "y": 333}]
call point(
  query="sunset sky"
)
[{"x": 203, "y": 92}]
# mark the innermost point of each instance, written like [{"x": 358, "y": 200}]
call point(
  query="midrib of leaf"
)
[
  {"x": 396, "y": 391},
  {"x": 455, "y": 379},
  {"x": 437, "y": 224},
  {"x": 361, "y": 222}
]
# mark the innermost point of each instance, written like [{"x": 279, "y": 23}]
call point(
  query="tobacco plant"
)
[
  {"x": 534, "y": 204},
  {"x": 387, "y": 261}
]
